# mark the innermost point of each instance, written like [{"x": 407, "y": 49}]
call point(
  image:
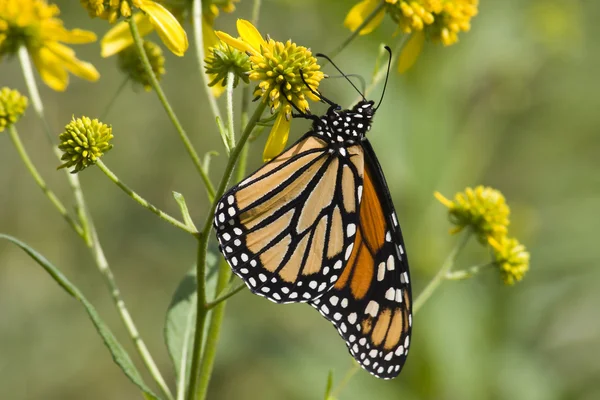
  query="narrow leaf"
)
[
  {"x": 329, "y": 385},
  {"x": 119, "y": 354},
  {"x": 184, "y": 210}
]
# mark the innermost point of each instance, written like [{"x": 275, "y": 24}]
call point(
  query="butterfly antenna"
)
[
  {"x": 340, "y": 71},
  {"x": 387, "y": 75},
  {"x": 316, "y": 93}
]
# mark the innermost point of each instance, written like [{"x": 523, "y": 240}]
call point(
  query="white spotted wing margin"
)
[
  {"x": 371, "y": 304},
  {"x": 288, "y": 229}
]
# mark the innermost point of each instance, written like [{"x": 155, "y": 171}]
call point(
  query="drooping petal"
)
[
  {"x": 51, "y": 70},
  {"x": 119, "y": 37},
  {"x": 56, "y": 31},
  {"x": 210, "y": 40},
  {"x": 237, "y": 43},
  {"x": 277, "y": 138},
  {"x": 74, "y": 65},
  {"x": 168, "y": 28},
  {"x": 357, "y": 15},
  {"x": 250, "y": 34},
  {"x": 411, "y": 51}
]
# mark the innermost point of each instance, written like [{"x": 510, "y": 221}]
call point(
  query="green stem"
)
[
  {"x": 113, "y": 99},
  {"x": 222, "y": 298},
  {"x": 143, "y": 202},
  {"x": 255, "y": 12},
  {"x": 356, "y": 32},
  {"x": 90, "y": 236},
  {"x": 466, "y": 273},
  {"x": 441, "y": 274},
  {"x": 41, "y": 183},
  {"x": 353, "y": 370},
  {"x": 139, "y": 44},
  {"x": 199, "y": 45},
  {"x": 195, "y": 391},
  {"x": 214, "y": 330}
]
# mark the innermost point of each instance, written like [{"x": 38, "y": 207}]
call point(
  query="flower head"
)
[
  {"x": 439, "y": 20},
  {"x": 483, "y": 209},
  {"x": 12, "y": 107},
  {"x": 511, "y": 257},
  {"x": 154, "y": 16},
  {"x": 83, "y": 142},
  {"x": 131, "y": 63},
  {"x": 283, "y": 71},
  {"x": 33, "y": 24},
  {"x": 222, "y": 59}
]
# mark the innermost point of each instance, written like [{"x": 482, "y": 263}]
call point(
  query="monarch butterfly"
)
[{"x": 317, "y": 224}]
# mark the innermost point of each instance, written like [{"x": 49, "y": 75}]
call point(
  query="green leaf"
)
[
  {"x": 181, "y": 321},
  {"x": 329, "y": 385},
  {"x": 119, "y": 354},
  {"x": 187, "y": 219}
]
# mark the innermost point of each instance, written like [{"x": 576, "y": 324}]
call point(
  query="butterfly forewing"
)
[
  {"x": 288, "y": 229},
  {"x": 371, "y": 303}
]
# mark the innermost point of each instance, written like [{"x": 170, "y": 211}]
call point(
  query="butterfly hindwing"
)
[
  {"x": 288, "y": 229},
  {"x": 371, "y": 303}
]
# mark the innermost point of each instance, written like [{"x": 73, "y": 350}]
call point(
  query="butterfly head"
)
[{"x": 346, "y": 125}]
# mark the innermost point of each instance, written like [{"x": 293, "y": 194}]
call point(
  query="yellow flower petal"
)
[
  {"x": 357, "y": 15},
  {"x": 51, "y": 69},
  {"x": 250, "y": 34},
  {"x": 77, "y": 67},
  {"x": 277, "y": 138},
  {"x": 411, "y": 51},
  {"x": 210, "y": 40},
  {"x": 168, "y": 28},
  {"x": 237, "y": 43},
  {"x": 119, "y": 37}
]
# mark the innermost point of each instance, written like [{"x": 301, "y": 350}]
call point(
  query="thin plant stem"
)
[
  {"x": 226, "y": 296},
  {"x": 230, "y": 124},
  {"x": 139, "y": 44},
  {"x": 214, "y": 331},
  {"x": 143, "y": 202},
  {"x": 41, "y": 183},
  {"x": 444, "y": 270},
  {"x": 90, "y": 235},
  {"x": 195, "y": 391},
  {"x": 351, "y": 372},
  {"x": 356, "y": 32},
  {"x": 113, "y": 99},
  {"x": 467, "y": 272},
  {"x": 255, "y": 12},
  {"x": 199, "y": 46}
]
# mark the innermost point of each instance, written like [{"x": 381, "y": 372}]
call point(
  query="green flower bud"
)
[
  {"x": 12, "y": 107},
  {"x": 131, "y": 63},
  {"x": 83, "y": 142},
  {"x": 223, "y": 58}
]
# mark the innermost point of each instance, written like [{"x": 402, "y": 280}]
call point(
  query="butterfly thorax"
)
[{"x": 343, "y": 126}]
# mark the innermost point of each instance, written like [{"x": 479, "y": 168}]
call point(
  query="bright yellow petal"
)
[
  {"x": 51, "y": 70},
  {"x": 218, "y": 89},
  {"x": 74, "y": 65},
  {"x": 250, "y": 34},
  {"x": 277, "y": 138},
  {"x": 119, "y": 37},
  {"x": 210, "y": 40},
  {"x": 411, "y": 51},
  {"x": 168, "y": 28},
  {"x": 237, "y": 43},
  {"x": 357, "y": 15}
]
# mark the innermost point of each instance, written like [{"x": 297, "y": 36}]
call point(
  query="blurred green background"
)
[{"x": 514, "y": 105}]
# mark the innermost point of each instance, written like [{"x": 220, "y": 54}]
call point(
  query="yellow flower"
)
[
  {"x": 83, "y": 142},
  {"x": 439, "y": 21},
  {"x": 12, "y": 107},
  {"x": 131, "y": 63},
  {"x": 154, "y": 16},
  {"x": 483, "y": 209},
  {"x": 33, "y": 25},
  {"x": 277, "y": 67},
  {"x": 511, "y": 257}
]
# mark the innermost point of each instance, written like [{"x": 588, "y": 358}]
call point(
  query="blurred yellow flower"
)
[
  {"x": 511, "y": 257},
  {"x": 482, "y": 209},
  {"x": 32, "y": 24},
  {"x": 439, "y": 20},
  {"x": 154, "y": 16},
  {"x": 276, "y": 66},
  {"x": 12, "y": 107}
]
